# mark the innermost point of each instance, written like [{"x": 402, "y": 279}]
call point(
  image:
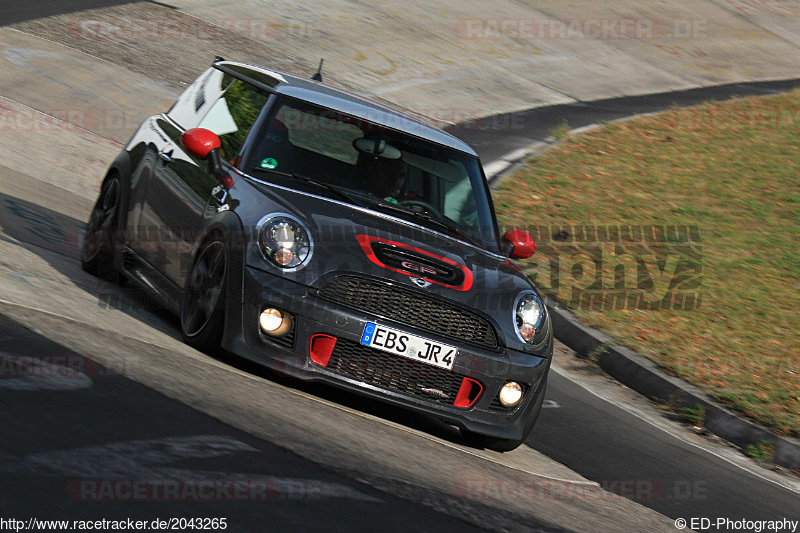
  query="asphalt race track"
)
[
  {"x": 497, "y": 135},
  {"x": 101, "y": 399},
  {"x": 141, "y": 436}
]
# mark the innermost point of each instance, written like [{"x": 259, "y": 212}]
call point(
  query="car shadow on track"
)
[{"x": 55, "y": 238}]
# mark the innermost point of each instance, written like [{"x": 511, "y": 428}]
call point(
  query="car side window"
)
[{"x": 233, "y": 114}]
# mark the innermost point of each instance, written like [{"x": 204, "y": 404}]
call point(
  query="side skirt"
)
[{"x": 163, "y": 290}]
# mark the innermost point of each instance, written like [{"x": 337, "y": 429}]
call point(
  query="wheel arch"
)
[
  {"x": 120, "y": 168},
  {"x": 229, "y": 226}
]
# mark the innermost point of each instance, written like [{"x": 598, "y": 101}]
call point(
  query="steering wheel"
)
[{"x": 423, "y": 204}]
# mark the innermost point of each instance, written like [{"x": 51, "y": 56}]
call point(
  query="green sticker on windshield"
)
[{"x": 269, "y": 163}]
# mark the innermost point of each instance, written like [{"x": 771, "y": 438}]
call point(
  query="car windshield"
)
[{"x": 376, "y": 167}]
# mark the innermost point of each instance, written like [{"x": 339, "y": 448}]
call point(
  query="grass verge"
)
[{"x": 679, "y": 235}]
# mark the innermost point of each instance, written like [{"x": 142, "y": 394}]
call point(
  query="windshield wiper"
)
[
  {"x": 322, "y": 185},
  {"x": 450, "y": 229}
]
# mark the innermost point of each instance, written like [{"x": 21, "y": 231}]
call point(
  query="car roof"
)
[{"x": 326, "y": 96}]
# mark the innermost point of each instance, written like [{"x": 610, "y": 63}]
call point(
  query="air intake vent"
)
[
  {"x": 418, "y": 264},
  {"x": 396, "y": 373}
]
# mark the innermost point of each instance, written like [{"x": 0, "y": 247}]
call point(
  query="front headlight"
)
[
  {"x": 529, "y": 316},
  {"x": 284, "y": 241}
]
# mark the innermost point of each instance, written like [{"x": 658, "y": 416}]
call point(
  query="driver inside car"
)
[{"x": 386, "y": 178}]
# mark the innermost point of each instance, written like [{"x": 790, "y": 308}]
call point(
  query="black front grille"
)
[
  {"x": 393, "y": 372},
  {"x": 410, "y": 307},
  {"x": 287, "y": 341}
]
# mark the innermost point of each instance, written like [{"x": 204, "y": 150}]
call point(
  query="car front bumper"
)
[{"x": 424, "y": 393}]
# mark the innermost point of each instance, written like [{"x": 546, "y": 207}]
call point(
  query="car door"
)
[
  {"x": 179, "y": 196},
  {"x": 148, "y": 207}
]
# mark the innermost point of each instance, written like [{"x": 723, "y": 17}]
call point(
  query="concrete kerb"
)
[
  {"x": 645, "y": 377},
  {"x": 634, "y": 370},
  {"x": 497, "y": 169}
]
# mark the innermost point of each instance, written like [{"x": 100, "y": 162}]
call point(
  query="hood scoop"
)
[{"x": 416, "y": 263}]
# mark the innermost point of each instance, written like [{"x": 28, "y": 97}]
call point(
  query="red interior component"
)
[
  {"x": 524, "y": 245},
  {"x": 469, "y": 393},
  {"x": 321, "y": 348},
  {"x": 199, "y": 142}
]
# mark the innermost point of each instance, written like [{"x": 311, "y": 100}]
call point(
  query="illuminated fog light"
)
[
  {"x": 275, "y": 323},
  {"x": 284, "y": 256},
  {"x": 270, "y": 320},
  {"x": 510, "y": 394}
]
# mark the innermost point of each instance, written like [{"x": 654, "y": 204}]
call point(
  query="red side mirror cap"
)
[
  {"x": 522, "y": 244},
  {"x": 199, "y": 142}
]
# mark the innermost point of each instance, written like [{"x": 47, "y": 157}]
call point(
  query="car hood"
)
[{"x": 351, "y": 241}]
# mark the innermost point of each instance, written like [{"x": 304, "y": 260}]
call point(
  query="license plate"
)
[{"x": 408, "y": 345}]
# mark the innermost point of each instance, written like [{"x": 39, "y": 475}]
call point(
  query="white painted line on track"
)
[
  {"x": 787, "y": 484},
  {"x": 588, "y": 127},
  {"x": 495, "y": 167},
  {"x": 516, "y": 155}
]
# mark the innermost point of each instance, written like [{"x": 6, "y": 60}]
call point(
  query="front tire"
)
[
  {"x": 203, "y": 309},
  {"x": 97, "y": 249}
]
